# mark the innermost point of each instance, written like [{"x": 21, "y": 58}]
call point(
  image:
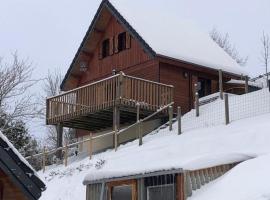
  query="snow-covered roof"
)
[
  {"x": 14, "y": 165},
  {"x": 169, "y": 35},
  {"x": 250, "y": 83},
  {"x": 5, "y": 139}
]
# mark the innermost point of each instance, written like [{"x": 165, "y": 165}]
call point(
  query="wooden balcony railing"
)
[{"x": 119, "y": 89}]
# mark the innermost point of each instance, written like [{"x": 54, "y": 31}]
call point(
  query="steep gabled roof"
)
[
  {"x": 161, "y": 32},
  {"x": 19, "y": 170}
]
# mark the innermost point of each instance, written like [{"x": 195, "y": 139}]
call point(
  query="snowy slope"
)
[
  {"x": 200, "y": 148},
  {"x": 247, "y": 181}
]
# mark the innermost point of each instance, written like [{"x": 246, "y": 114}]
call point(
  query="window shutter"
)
[
  {"x": 116, "y": 44},
  {"x": 100, "y": 50},
  {"x": 128, "y": 40},
  {"x": 111, "y": 46}
]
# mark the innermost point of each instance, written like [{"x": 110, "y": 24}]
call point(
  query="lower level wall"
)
[{"x": 107, "y": 142}]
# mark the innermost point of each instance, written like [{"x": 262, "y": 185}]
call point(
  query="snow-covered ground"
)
[
  {"x": 247, "y": 181},
  {"x": 207, "y": 146}
]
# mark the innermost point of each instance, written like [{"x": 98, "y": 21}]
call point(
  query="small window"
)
[
  {"x": 122, "y": 192},
  {"x": 122, "y": 41},
  {"x": 105, "y": 48},
  {"x": 161, "y": 192}
]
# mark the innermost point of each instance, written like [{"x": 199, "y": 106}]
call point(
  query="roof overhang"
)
[{"x": 134, "y": 176}]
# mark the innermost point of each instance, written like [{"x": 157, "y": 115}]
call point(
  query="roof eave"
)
[{"x": 201, "y": 66}]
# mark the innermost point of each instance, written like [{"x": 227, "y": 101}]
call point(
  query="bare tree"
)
[
  {"x": 16, "y": 101},
  {"x": 51, "y": 87},
  {"x": 265, "y": 53},
  {"x": 224, "y": 42}
]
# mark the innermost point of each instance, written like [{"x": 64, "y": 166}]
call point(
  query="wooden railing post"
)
[
  {"x": 220, "y": 74},
  {"x": 227, "y": 115},
  {"x": 90, "y": 145},
  {"x": 44, "y": 159},
  {"x": 170, "y": 117},
  {"x": 66, "y": 154},
  {"x": 179, "y": 116}
]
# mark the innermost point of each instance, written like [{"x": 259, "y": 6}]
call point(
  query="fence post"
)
[
  {"x": 220, "y": 84},
  {"x": 170, "y": 117},
  {"x": 179, "y": 120},
  {"x": 90, "y": 146},
  {"x": 227, "y": 115},
  {"x": 246, "y": 84},
  {"x": 139, "y": 131},
  {"x": 197, "y": 104},
  {"x": 44, "y": 159},
  {"x": 116, "y": 139},
  {"x": 66, "y": 154}
]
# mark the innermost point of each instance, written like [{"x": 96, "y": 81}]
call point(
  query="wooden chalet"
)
[
  {"x": 18, "y": 180},
  {"x": 125, "y": 60}
]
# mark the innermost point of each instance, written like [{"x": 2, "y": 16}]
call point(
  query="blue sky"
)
[{"x": 49, "y": 32}]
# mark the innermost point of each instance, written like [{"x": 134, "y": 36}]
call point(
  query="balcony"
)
[{"x": 97, "y": 106}]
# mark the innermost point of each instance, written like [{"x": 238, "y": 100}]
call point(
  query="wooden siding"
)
[
  {"x": 173, "y": 75},
  {"x": 10, "y": 191},
  {"x": 100, "y": 68}
]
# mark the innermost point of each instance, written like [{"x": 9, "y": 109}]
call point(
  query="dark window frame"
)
[
  {"x": 122, "y": 41},
  {"x": 105, "y": 48}
]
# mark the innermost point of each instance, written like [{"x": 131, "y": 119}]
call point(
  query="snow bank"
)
[
  {"x": 247, "y": 181},
  {"x": 186, "y": 42}
]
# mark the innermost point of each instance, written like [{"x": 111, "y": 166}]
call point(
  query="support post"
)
[
  {"x": 179, "y": 115},
  {"x": 220, "y": 84},
  {"x": 66, "y": 154},
  {"x": 227, "y": 115},
  {"x": 268, "y": 85},
  {"x": 44, "y": 159},
  {"x": 90, "y": 145},
  {"x": 59, "y": 130},
  {"x": 170, "y": 117},
  {"x": 246, "y": 84},
  {"x": 197, "y": 104}
]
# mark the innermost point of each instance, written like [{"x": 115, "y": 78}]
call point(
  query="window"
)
[
  {"x": 160, "y": 187},
  {"x": 122, "y": 192},
  {"x": 105, "y": 48},
  {"x": 161, "y": 192},
  {"x": 122, "y": 41}
]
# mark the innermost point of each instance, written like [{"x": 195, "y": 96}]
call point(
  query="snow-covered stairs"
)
[{"x": 196, "y": 179}]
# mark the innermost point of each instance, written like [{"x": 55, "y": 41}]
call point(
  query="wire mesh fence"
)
[{"x": 239, "y": 107}]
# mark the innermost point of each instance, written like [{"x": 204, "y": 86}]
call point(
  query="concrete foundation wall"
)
[{"x": 107, "y": 142}]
